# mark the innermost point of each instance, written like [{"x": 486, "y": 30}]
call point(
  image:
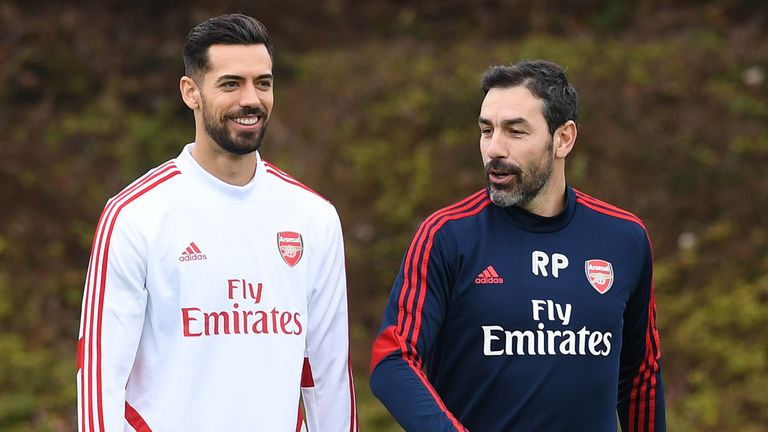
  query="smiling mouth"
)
[{"x": 246, "y": 121}]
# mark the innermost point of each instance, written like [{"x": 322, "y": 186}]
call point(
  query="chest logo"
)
[
  {"x": 488, "y": 276},
  {"x": 291, "y": 247},
  {"x": 192, "y": 253},
  {"x": 599, "y": 274}
]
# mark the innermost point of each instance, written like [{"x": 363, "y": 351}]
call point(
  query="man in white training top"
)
[{"x": 216, "y": 286}]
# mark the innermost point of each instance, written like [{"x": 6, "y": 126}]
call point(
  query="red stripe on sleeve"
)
[
  {"x": 621, "y": 215},
  {"x": 642, "y": 402},
  {"x": 135, "y": 420},
  {"x": 80, "y": 345},
  {"x": 91, "y": 317},
  {"x": 282, "y": 175},
  {"x": 103, "y": 285},
  {"x": 354, "y": 421},
  {"x": 415, "y": 248},
  {"x": 88, "y": 309},
  {"x": 648, "y": 370},
  {"x": 411, "y": 276},
  {"x": 647, "y": 392},
  {"x": 655, "y": 336},
  {"x": 603, "y": 204},
  {"x": 425, "y": 261},
  {"x": 414, "y": 280}
]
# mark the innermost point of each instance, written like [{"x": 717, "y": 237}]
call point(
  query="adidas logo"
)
[
  {"x": 489, "y": 276},
  {"x": 192, "y": 253}
]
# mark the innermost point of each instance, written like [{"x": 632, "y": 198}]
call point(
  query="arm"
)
[
  {"x": 114, "y": 302},
  {"x": 411, "y": 322},
  {"x": 327, "y": 383},
  {"x": 641, "y": 393}
]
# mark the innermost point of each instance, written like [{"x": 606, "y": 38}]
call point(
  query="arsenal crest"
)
[
  {"x": 599, "y": 274},
  {"x": 291, "y": 246}
]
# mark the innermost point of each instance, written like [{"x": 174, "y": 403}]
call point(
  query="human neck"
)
[
  {"x": 234, "y": 169},
  {"x": 550, "y": 201}
]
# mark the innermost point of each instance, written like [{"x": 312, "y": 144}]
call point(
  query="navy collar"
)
[{"x": 541, "y": 224}]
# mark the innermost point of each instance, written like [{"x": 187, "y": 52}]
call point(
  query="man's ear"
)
[
  {"x": 190, "y": 92},
  {"x": 564, "y": 139}
]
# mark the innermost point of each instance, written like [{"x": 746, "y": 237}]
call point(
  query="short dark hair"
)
[
  {"x": 546, "y": 81},
  {"x": 232, "y": 29}
]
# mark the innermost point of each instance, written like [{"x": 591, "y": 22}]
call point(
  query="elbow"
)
[
  {"x": 384, "y": 348},
  {"x": 375, "y": 382}
]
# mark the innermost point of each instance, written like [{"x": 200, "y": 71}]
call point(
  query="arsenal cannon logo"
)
[
  {"x": 291, "y": 246},
  {"x": 599, "y": 274}
]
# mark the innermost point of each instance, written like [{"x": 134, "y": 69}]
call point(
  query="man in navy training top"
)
[{"x": 529, "y": 305}]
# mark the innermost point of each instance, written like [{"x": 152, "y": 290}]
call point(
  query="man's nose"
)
[
  {"x": 496, "y": 147},
  {"x": 249, "y": 96}
]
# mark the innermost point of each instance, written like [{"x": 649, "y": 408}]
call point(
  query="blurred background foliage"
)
[{"x": 376, "y": 107}]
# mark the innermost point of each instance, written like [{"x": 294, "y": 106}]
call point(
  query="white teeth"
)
[{"x": 246, "y": 120}]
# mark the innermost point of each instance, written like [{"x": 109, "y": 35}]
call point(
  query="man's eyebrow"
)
[
  {"x": 233, "y": 77},
  {"x": 229, "y": 77},
  {"x": 517, "y": 121},
  {"x": 507, "y": 122}
]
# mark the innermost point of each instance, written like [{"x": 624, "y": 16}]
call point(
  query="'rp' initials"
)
[{"x": 540, "y": 260}]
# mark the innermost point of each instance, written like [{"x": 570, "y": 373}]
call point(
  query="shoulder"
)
[
  {"x": 130, "y": 211},
  {"x": 610, "y": 217},
  {"x": 153, "y": 183},
  {"x": 295, "y": 193},
  {"x": 462, "y": 210}
]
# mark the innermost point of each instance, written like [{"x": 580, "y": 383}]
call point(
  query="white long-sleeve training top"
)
[{"x": 207, "y": 307}]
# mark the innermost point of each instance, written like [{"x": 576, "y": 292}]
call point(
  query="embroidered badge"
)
[
  {"x": 599, "y": 274},
  {"x": 291, "y": 246}
]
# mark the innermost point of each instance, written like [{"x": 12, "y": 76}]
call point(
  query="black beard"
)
[
  {"x": 247, "y": 142},
  {"x": 528, "y": 185},
  {"x": 243, "y": 144}
]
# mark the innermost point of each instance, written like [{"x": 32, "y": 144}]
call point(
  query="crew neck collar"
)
[
  {"x": 543, "y": 224},
  {"x": 186, "y": 160}
]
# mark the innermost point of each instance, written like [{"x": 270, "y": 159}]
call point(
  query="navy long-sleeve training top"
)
[{"x": 502, "y": 320}]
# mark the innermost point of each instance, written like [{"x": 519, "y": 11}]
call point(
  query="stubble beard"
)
[
  {"x": 242, "y": 144},
  {"x": 527, "y": 186}
]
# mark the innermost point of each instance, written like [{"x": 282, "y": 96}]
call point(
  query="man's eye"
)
[
  {"x": 265, "y": 84},
  {"x": 229, "y": 84}
]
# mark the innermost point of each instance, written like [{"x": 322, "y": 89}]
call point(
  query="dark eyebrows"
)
[
  {"x": 228, "y": 78},
  {"x": 507, "y": 122},
  {"x": 232, "y": 77}
]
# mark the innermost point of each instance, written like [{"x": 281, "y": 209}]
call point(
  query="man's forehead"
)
[
  {"x": 515, "y": 101},
  {"x": 254, "y": 59}
]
